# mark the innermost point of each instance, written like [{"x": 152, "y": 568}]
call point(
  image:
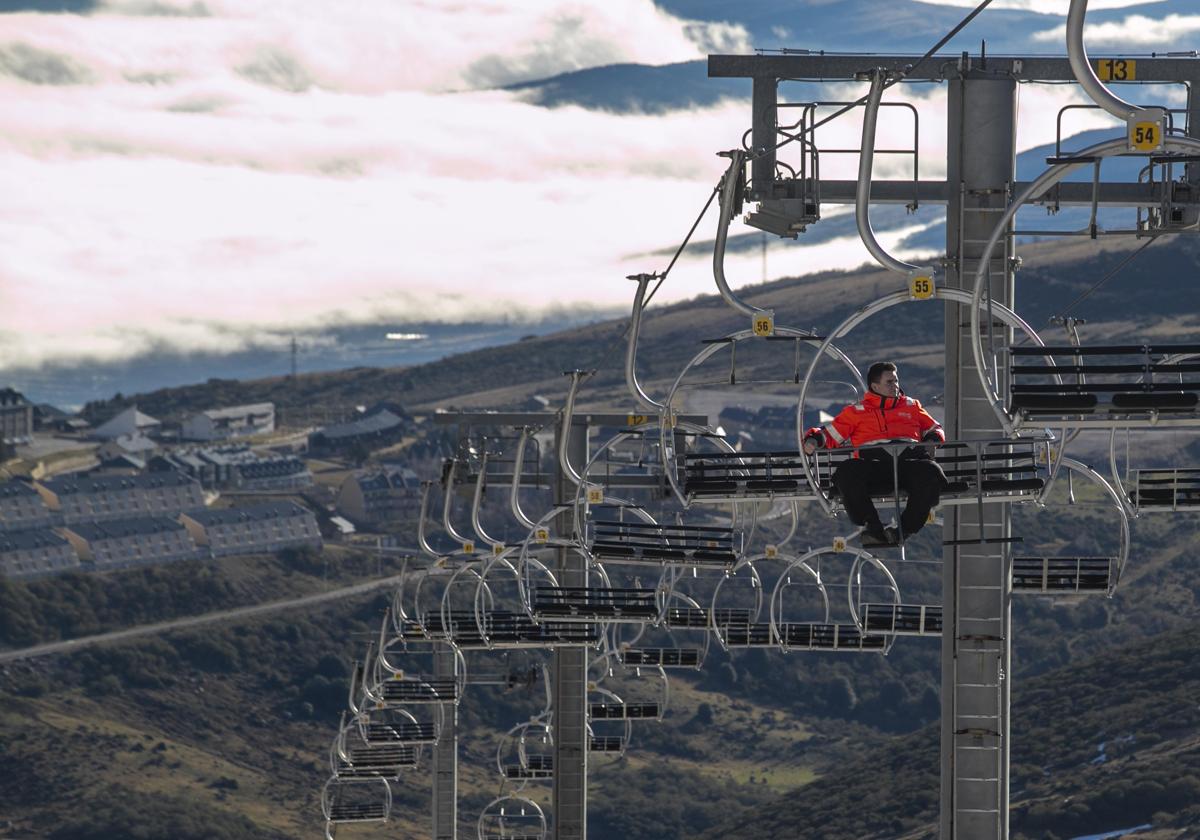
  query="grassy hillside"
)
[{"x": 1109, "y": 742}]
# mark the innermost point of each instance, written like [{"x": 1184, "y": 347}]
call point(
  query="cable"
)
[
  {"x": 606, "y": 354},
  {"x": 861, "y": 100},
  {"x": 1128, "y": 259}
]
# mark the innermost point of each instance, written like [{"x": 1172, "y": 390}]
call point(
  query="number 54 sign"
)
[{"x": 1146, "y": 130}]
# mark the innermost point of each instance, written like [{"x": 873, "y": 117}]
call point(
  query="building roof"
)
[
  {"x": 127, "y": 422},
  {"x": 25, "y": 540},
  {"x": 344, "y": 526},
  {"x": 69, "y": 484},
  {"x": 380, "y": 421},
  {"x": 274, "y": 468},
  {"x": 236, "y": 411},
  {"x": 117, "y": 528},
  {"x": 10, "y": 397},
  {"x": 134, "y": 443},
  {"x": 250, "y": 513},
  {"x": 14, "y": 487},
  {"x": 403, "y": 479}
]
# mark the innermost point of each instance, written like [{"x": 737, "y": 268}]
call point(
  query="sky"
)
[{"x": 198, "y": 174}]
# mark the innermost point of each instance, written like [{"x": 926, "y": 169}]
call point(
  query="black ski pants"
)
[{"x": 857, "y": 479}]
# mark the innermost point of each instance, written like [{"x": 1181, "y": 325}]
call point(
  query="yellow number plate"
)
[
  {"x": 497, "y": 549},
  {"x": 771, "y": 552},
  {"x": 1117, "y": 69},
  {"x": 636, "y": 419},
  {"x": 763, "y": 325},
  {"x": 920, "y": 287},
  {"x": 1145, "y": 136},
  {"x": 595, "y": 496},
  {"x": 468, "y": 547},
  {"x": 541, "y": 535}
]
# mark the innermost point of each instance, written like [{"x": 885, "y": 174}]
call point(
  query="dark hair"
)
[{"x": 876, "y": 371}]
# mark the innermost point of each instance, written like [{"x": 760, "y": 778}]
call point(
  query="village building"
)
[
  {"x": 128, "y": 423},
  {"x": 131, "y": 542},
  {"x": 381, "y": 425},
  {"x": 238, "y": 468},
  {"x": 34, "y": 553},
  {"x": 95, "y": 498},
  {"x": 16, "y": 421},
  {"x": 21, "y": 507},
  {"x": 255, "y": 529},
  {"x": 374, "y": 498},
  {"x": 227, "y": 423}
]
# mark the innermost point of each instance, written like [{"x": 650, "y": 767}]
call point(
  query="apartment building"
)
[
  {"x": 95, "y": 498},
  {"x": 228, "y": 423},
  {"x": 27, "y": 554},
  {"x": 255, "y": 529},
  {"x": 21, "y": 507},
  {"x": 131, "y": 542}
]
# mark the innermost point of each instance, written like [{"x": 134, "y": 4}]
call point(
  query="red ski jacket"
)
[{"x": 876, "y": 419}]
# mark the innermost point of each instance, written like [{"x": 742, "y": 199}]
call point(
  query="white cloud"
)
[
  {"x": 1133, "y": 31},
  {"x": 172, "y": 200},
  {"x": 1044, "y": 7}
]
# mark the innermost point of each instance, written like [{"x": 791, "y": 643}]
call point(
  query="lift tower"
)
[{"x": 980, "y": 166}]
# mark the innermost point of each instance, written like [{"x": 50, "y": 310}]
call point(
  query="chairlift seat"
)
[
  {"x": 624, "y": 711},
  {"x": 996, "y": 470},
  {"x": 591, "y": 603},
  {"x": 420, "y": 690},
  {"x": 346, "y": 800},
  {"x": 1167, "y": 489},
  {"x": 692, "y": 617},
  {"x": 902, "y": 619},
  {"x": 1116, "y": 384},
  {"x": 748, "y": 634},
  {"x": 639, "y": 542},
  {"x": 405, "y": 732},
  {"x": 606, "y": 743},
  {"x": 662, "y": 657},
  {"x": 832, "y": 637},
  {"x": 716, "y": 476},
  {"x": 1062, "y": 575}
]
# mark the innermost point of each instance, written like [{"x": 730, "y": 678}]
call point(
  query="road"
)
[{"x": 71, "y": 645}]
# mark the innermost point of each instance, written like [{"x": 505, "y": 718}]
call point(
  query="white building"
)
[
  {"x": 35, "y": 553},
  {"x": 254, "y": 529},
  {"x": 128, "y": 423},
  {"x": 226, "y": 423},
  {"x": 95, "y": 498},
  {"x": 131, "y": 542}
]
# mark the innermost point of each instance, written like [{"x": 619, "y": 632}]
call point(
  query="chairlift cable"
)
[
  {"x": 862, "y": 99},
  {"x": 1128, "y": 259},
  {"x": 618, "y": 340}
]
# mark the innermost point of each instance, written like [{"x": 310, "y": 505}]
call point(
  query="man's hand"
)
[{"x": 810, "y": 446}]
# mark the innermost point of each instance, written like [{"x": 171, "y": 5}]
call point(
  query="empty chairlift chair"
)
[
  {"x": 1046, "y": 574},
  {"x": 1110, "y": 385},
  {"x": 806, "y": 624},
  {"x": 684, "y": 545},
  {"x": 1166, "y": 489},
  {"x": 346, "y": 800},
  {"x": 512, "y": 818}
]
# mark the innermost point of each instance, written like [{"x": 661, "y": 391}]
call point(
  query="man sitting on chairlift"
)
[{"x": 884, "y": 415}]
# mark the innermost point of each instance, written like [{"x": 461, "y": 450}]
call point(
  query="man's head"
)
[{"x": 882, "y": 379}]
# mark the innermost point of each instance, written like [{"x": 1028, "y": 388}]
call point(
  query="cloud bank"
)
[{"x": 191, "y": 175}]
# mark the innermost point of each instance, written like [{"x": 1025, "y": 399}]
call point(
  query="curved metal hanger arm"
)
[
  {"x": 635, "y": 329},
  {"x": 862, "y": 198},
  {"x": 729, "y": 187}
]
